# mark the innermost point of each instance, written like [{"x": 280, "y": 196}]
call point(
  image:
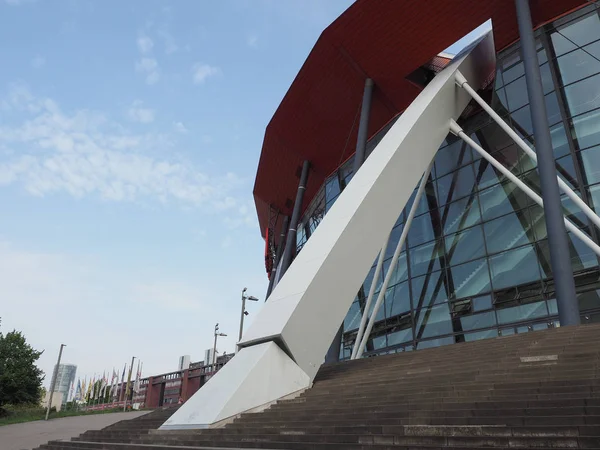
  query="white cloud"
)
[
  {"x": 168, "y": 41},
  {"x": 244, "y": 216},
  {"x": 180, "y": 127},
  {"x": 86, "y": 154},
  {"x": 145, "y": 44},
  {"x": 138, "y": 113},
  {"x": 202, "y": 71},
  {"x": 252, "y": 41},
  {"x": 149, "y": 67},
  {"x": 38, "y": 62}
]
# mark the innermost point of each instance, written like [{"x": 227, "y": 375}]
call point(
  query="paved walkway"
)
[{"x": 28, "y": 435}]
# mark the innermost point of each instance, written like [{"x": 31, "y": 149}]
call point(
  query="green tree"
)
[{"x": 20, "y": 379}]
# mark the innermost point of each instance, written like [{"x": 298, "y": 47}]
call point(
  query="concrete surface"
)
[{"x": 29, "y": 435}]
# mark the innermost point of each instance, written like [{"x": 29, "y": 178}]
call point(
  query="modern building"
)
[
  {"x": 65, "y": 379},
  {"x": 443, "y": 199},
  {"x": 476, "y": 262},
  {"x": 184, "y": 362}
]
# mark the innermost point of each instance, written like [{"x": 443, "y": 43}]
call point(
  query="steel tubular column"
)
[
  {"x": 456, "y": 129},
  {"x": 290, "y": 243},
  {"x": 363, "y": 320},
  {"x": 394, "y": 261},
  {"x": 363, "y": 126},
  {"x": 568, "y": 307},
  {"x": 462, "y": 82},
  {"x": 280, "y": 248}
]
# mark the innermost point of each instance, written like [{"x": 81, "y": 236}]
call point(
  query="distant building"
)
[
  {"x": 184, "y": 362},
  {"x": 65, "y": 377},
  {"x": 208, "y": 356}
]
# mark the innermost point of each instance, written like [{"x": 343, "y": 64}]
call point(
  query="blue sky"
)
[{"x": 129, "y": 138}]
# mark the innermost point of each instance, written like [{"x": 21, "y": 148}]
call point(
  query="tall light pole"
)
[
  {"x": 53, "y": 383},
  {"x": 217, "y": 334},
  {"x": 244, "y": 312}
]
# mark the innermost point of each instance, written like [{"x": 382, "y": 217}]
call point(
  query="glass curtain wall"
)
[{"x": 476, "y": 262}]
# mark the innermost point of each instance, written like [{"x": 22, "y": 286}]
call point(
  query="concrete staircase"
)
[{"x": 536, "y": 390}]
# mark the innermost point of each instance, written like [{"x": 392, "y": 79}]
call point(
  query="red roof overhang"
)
[{"x": 385, "y": 40}]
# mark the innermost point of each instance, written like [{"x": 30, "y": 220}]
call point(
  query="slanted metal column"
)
[
  {"x": 363, "y": 125},
  {"x": 280, "y": 247},
  {"x": 290, "y": 242},
  {"x": 568, "y": 308}
]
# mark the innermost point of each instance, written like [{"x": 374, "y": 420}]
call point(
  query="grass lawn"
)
[{"x": 18, "y": 414}]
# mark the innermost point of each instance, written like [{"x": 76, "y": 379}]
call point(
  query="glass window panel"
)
[
  {"x": 502, "y": 199},
  {"x": 393, "y": 240},
  {"x": 513, "y": 73},
  {"x": 401, "y": 270},
  {"x": 521, "y": 121},
  {"x": 582, "y": 257},
  {"x": 560, "y": 143},
  {"x": 423, "y": 229},
  {"x": 509, "y": 231},
  {"x": 425, "y": 258},
  {"x": 451, "y": 157},
  {"x": 574, "y": 213},
  {"x": 479, "y": 335},
  {"x": 465, "y": 246},
  {"x": 594, "y": 192},
  {"x": 397, "y": 300},
  {"x": 577, "y": 33},
  {"x": 552, "y": 108},
  {"x": 352, "y": 319},
  {"x": 460, "y": 215},
  {"x": 482, "y": 303},
  {"x": 433, "y": 321},
  {"x": 483, "y": 320},
  {"x": 547, "y": 83},
  {"x": 566, "y": 169},
  {"x": 470, "y": 279},
  {"x": 381, "y": 311},
  {"x": 332, "y": 188},
  {"x": 521, "y": 313},
  {"x": 538, "y": 222},
  {"x": 498, "y": 82},
  {"x": 428, "y": 196},
  {"x": 499, "y": 102},
  {"x": 456, "y": 185},
  {"x": 399, "y": 337},
  {"x": 579, "y": 64},
  {"x": 516, "y": 93},
  {"x": 586, "y": 129},
  {"x": 584, "y": 95},
  {"x": 589, "y": 160},
  {"x": 379, "y": 342},
  {"x": 589, "y": 300},
  {"x": 552, "y": 307},
  {"x": 515, "y": 267},
  {"x": 369, "y": 280},
  {"x": 431, "y": 343},
  {"x": 429, "y": 289}
]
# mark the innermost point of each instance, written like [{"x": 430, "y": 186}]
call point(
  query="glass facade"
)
[
  {"x": 476, "y": 261},
  {"x": 65, "y": 379}
]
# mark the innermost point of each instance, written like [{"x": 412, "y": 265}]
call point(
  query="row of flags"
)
[{"x": 95, "y": 389}]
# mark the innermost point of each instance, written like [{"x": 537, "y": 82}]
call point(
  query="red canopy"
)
[{"x": 385, "y": 40}]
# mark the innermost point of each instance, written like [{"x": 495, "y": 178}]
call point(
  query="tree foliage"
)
[{"x": 20, "y": 379}]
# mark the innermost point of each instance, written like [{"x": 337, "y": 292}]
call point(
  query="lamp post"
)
[
  {"x": 217, "y": 334},
  {"x": 244, "y": 312},
  {"x": 53, "y": 383}
]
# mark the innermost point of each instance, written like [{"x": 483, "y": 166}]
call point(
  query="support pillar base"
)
[{"x": 257, "y": 375}]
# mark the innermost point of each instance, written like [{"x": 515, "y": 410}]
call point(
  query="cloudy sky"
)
[{"x": 129, "y": 138}]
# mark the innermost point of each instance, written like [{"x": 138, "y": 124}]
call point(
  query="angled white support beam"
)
[
  {"x": 394, "y": 262},
  {"x": 295, "y": 328},
  {"x": 457, "y": 130},
  {"x": 463, "y": 83}
]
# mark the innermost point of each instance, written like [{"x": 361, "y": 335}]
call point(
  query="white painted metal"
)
[
  {"x": 462, "y": 82},
  {"x": 456, "y": 129},
  {"x": 365, "y": 316},
  {"x": 306, "y": 307},
  {"x": 394, "y": 262},
  {"x": 255, "y": 376}
]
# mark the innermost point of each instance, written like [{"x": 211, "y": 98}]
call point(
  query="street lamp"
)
[
  {"x": 217, "y": 334},
  {"x": 244, "y": 312}
]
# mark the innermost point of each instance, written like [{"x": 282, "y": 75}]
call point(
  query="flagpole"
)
[{"x": 128, "y": 380}]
